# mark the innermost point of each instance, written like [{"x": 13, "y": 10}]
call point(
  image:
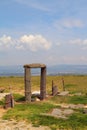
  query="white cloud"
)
[
  {"x": 73, "y": 59},
  {"x": 34, "y": 42},
  {"x": 76, "y": 41},
  {"x": 85, "y": 42},
  {"x": 83, "y": 58},
  {"x": 5, "y": 42},
  {"x": 34, "y": 4},
  {"x": 84, "y": 48},
  {"x": 19, "y": 47},
  {"x": 80, "y": 42},
  {"x": 69, "y": 23},
  {"x": 58, "y": 43},
  {"x": 25, "y": 42}
]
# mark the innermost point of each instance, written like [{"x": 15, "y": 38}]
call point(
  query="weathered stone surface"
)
[
  {"x": 43, "y": 84},
  {"x": 2, "y": 95},
  {"x": 9, "y": 101},
  {"x": 56, "y": 112},
  {"x": 64, "y": 93},
  {"x": 37, "y": 99},
  {"x": 54, "y": 90},
  {"x": 22, "y": 125},
  {"x": 35, "y": 65},
  {"x": 68, "y": 112},
  {"x": 62, "y": 113},
  {"x": 27, "y": 84},
  {"x": 36, "y": 93},
  {"x": 85, "y": 111},
  {"x": 2, "y": 90},
  {"x": 27, "y": 77},
  {"x": 78, "y": 94},
  {"x": 73, "y": 106}
]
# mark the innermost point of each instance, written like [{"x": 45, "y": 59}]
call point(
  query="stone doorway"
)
[{"x": 27, "y": 78}]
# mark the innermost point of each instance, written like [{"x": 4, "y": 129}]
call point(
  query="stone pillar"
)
[
  {"x": 54, "y": 90},
  {"x": 43, "y": 84},
  {"x": 27, "y": 84}
]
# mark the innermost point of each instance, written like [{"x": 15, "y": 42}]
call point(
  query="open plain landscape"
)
[
  {"x": 65, "y": 111},
  {"x": 47, "y": 38}
]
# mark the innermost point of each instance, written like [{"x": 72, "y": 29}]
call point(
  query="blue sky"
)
[{"x": 49, "y": 31}]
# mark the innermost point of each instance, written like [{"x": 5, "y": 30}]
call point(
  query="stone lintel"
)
[{"x": 35, "y": 65}]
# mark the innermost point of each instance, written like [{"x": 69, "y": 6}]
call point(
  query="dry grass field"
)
[
  {"x": 72, "y": 83},
  {"x": 32, "y": 112}
]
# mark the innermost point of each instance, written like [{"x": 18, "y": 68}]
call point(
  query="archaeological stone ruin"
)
[{"x": 27, "y": 79}]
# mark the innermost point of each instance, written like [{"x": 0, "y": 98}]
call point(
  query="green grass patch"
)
[
  {"x": 78, "y": 120},
  {"x": 27, "y": 111},
  {"x": 33, "y": 113},
  {"x": 59, "y": 99},
  {"x": 70, "y": 85},
  {"x": 75, "y": 122},
  {"x": 78, "y": 99},
  {"x": 69, "y": 99},
  {"x": 18, "y": 97},
  {"x": 2, "y": 102}
]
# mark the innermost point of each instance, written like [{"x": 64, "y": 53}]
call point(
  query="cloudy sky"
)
[{"x": 43, "y": 31}]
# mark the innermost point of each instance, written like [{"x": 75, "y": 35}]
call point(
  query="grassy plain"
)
[
  {"x": 73, "y": 83},
  {"x": 32, "y": 112}
]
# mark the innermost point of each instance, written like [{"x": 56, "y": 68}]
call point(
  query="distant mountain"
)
[
  {"x": 51, "y": 70},
  {"x": 67, "y": 69},
  {"x": 11, "y": 70}
]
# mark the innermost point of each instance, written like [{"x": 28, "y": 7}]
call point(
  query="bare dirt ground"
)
[{"x": 2, "y": 111}]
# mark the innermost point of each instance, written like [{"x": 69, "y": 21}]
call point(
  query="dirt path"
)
[
  {"x": 2, "y": 111},
  {"x": 14, "y": 125}
]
